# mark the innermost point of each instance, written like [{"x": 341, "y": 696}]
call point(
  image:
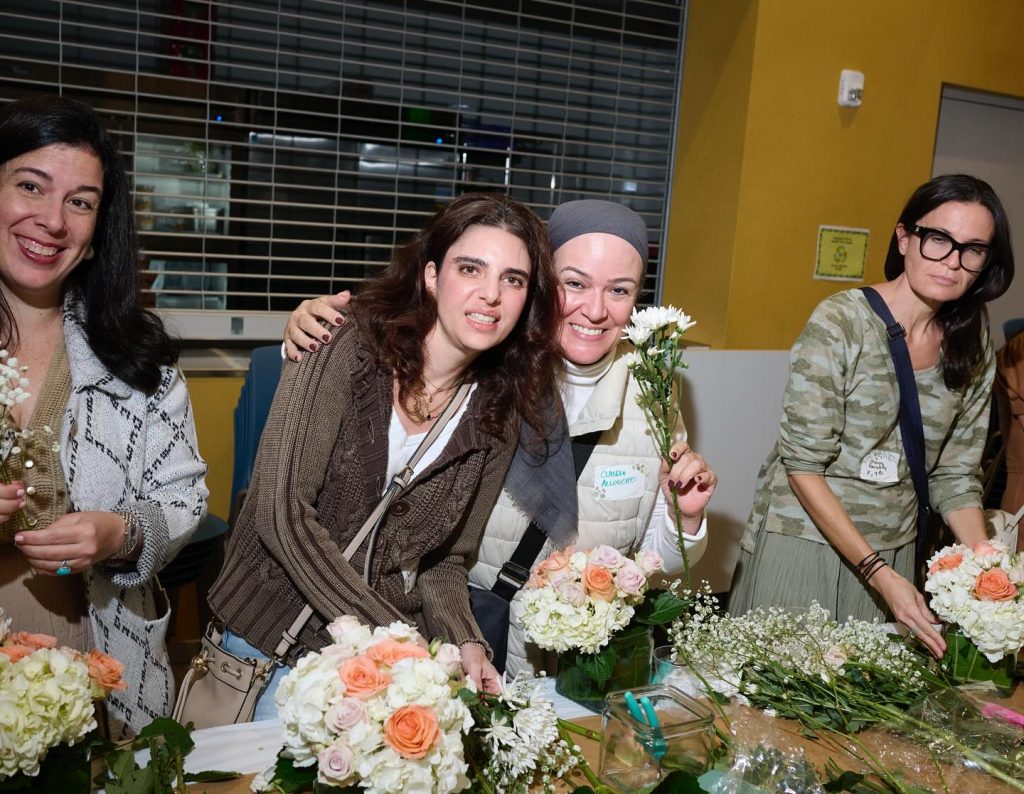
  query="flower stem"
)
[{"x": 572, "y": 727}]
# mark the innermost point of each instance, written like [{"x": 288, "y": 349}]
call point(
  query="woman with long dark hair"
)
[
  {"x": 472, "y": 299},
  {"x": 103, "y": 483},
  {"x": 835, "y": 513}
]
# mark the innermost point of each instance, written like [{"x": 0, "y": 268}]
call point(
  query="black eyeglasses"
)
[{"x": 936, "y": 245}]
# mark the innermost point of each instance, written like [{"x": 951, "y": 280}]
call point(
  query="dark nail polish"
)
[
  {"x": 313, "y": 347},
  {"x": 326, "y": 338}
]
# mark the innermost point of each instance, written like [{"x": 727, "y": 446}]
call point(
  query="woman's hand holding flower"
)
[
  {"x": 12, "y": 499},
  {"x": 476, "y": 666},
  {"x": 690, "y": 481}
]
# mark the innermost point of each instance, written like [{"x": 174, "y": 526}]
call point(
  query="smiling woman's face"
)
[
  {"x": 49, "y": 203},
  {"x": 600, "y": 276}
]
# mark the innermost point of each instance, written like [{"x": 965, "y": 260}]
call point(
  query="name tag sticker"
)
[
  {"x": 614, "y": 483},
  {"x": 879, "y": 466}
]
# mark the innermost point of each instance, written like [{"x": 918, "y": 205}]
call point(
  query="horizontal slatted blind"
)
[{"x": 280, "y": 148}]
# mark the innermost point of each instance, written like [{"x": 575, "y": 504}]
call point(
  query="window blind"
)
[{"x": 281, "y": 148}]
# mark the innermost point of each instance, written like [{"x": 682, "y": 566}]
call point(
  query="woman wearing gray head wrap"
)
[{"x": 600, "y": 251}]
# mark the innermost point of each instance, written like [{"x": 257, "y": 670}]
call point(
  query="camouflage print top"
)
[{"x": 840, "y": 419}]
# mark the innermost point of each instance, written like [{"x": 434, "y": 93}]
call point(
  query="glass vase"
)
[
  {"x": 964, "y": 663},
  {"x": 631, "y": 669},
  {"x": 639, "y": 749}
]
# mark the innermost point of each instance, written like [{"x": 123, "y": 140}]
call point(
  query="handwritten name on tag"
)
[
  {"x": 879, "y": 466},
  {"x": 614, "y": 483}
]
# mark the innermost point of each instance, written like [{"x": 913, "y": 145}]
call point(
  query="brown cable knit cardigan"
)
[{"x": 319, "y": 472}]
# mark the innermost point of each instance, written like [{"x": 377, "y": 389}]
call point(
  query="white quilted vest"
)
[{"x": 618, "y": 517}]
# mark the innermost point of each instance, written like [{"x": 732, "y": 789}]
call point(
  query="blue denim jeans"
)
[{"x": 266, "y": 708}]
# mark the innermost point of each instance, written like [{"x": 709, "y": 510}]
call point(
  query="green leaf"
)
[
  {"x": 844, "y": 782},
  {"x": 210, "y": 776},
  {"x": 597, "y": 666},
  {"x": 659, "y": 607},
  {"x": 679, "y": 783},
  {"x": 292, "y": 779},
  {"x": 172, "y": 732}
]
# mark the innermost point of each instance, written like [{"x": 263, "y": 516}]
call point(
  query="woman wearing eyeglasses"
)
[{"x": 835, "y": 513}]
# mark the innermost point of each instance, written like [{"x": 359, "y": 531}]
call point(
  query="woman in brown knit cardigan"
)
[{"x": 471, "y": 299}]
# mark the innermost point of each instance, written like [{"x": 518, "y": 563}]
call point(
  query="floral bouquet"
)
[
  {"x": 656, "y": 333},
  {"x": 376, "y": 710},
  {"x": 596, "y": 609},
  {"x": 47, "y": 710},
  {"x": 381, "y": 710},
  {"x": 982, "y": 592}
]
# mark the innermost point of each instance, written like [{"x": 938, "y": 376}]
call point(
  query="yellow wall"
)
[
  {"x": 765, "y": 154},
  {"x": 213, "y": 401}
]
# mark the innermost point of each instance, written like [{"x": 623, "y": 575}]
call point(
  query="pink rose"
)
[
  {"x": 449, "y": 658},
  {"x": 334, "y": 764},
  {"x": 557, "y": 561},
  {"x": 630, "y": 579},
  {"x": 572, "y": 593},
  {"x": 607, "y": 557},
  {"x": 984, "y": 547},
  {"x": 649, "y": 562},
  {"x": 344, "y": 714},
  {"x": 565, "y": 575}
]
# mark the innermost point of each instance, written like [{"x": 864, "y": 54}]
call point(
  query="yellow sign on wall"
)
[{"x": 842, "y": 253}]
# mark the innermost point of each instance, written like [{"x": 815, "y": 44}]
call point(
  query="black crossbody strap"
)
[
  {"x": 516, "y": 571},
  {"x": 911, "y": 427}
]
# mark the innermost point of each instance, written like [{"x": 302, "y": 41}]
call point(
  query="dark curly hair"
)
[
  {"x": 963, "y": 320},
  {"x": 129, "y": 340},
  {"x": 395, "y": 312}
]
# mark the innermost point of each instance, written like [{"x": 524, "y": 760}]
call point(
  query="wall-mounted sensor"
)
[{"x": 851, "y": 88}]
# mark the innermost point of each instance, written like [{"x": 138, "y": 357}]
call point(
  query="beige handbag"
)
[{"x": 221, "y": 688}]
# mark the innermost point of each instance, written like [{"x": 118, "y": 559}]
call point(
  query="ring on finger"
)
[{"x": 64, "y": 568}]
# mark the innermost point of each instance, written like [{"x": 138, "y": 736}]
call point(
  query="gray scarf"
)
[{"x": 542, "y": 478}]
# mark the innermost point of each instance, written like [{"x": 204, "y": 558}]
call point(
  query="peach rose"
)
[
  {"x": 388, "y": 652},
  {"x": 411, "y": 731},
  {"x": 33, "y": 641},
  {"x": 16, "y": 652},
  {"x": 361, "y": 677},
  {"x": 557, "y": 561},
  {"x": 105, "y": 671},
  {"x": 994, "y": 585},
  {"x": 946, "y": 563},
  {"x": 600, "y": 582}
]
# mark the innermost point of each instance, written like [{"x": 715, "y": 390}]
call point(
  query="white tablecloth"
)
[{"x": 253, "y": 746}]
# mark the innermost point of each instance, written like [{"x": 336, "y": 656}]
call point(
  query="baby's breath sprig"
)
[{"x": 13, "y": 391}]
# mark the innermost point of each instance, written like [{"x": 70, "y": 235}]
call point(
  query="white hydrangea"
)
[
  {"x": 45, "y": 700},
  {"x": 995, "y": 627},
  {"x": 555, "y": 625}
]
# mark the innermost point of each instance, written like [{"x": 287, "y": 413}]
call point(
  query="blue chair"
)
[
  {"x": 251, "y": 415},
  {"x": 1013, "y": 327}
]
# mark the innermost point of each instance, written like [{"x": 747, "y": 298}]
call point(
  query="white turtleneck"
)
[{"x": 578, "y": 384}]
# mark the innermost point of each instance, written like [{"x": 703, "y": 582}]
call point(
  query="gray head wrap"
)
[{"x": 587, "y": 216}]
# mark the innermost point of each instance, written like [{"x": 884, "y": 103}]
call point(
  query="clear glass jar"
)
[{"x": 636, "y": 756}]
